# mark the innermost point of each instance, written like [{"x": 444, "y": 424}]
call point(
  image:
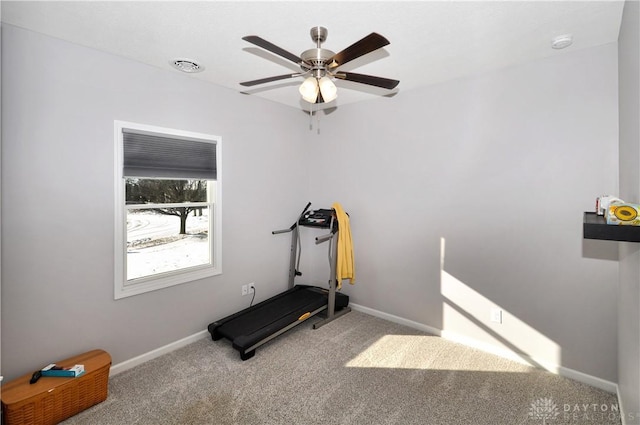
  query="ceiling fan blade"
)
[
  {"x": 385, "y": 83},
  {"x": 368, "y": 44},
  {"x": 261, "y": 42},
  {"x": 268, "y": 80}
]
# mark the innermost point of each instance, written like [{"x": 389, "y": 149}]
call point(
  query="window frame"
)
[{"x": 125, "y": 288}]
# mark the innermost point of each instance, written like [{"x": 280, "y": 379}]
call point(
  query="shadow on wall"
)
[
  {"x": 473, "y": 319},
  {"x": 600, "y": 249}
]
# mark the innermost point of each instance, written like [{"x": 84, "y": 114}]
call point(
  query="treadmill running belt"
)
[
  {"x": 301, "y": 301},
  {"x": 256, "y": 325}
]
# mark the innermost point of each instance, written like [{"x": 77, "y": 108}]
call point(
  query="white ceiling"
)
[{"x": 431, "y": 41}]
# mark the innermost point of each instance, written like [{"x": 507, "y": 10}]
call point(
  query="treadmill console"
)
[{"x": 318, "y": 218}]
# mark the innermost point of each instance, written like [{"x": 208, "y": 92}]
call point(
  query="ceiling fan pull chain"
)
[
  {"x": 318, "y": 121},
  {"x": 310, "y": 116}
]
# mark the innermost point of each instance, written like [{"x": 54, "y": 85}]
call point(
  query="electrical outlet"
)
[
  {"x": 252, "y": 287},
  {"x": 244, "y": 290},
  {"x": 496, "y": 315}
]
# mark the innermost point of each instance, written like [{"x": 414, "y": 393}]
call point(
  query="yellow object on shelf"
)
[{"x": 624, "y": 214}]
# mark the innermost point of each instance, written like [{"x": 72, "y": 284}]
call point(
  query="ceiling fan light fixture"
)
[
  {"x": 309, "y": 89},
  {"x": 328, "y": 89}
]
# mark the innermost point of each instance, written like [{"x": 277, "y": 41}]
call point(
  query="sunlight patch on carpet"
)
[{"x": 426, "y": 353}]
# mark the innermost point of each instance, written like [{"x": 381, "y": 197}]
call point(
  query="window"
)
[{"x": 168, "y": 211}]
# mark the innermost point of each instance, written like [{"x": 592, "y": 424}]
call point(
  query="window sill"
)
[{"x": 163, "y": 281}]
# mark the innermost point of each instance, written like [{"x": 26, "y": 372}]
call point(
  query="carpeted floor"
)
[{"x": 356, "y": 370}]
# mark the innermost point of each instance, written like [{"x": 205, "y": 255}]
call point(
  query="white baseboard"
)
[
  {"x": 396, "y": 319},
  {"x": 128, "y": 364},
  {"x": 451, "y": 336},
  {"x": 623, "y": 417},
  {"x": 492, "y": 349}
]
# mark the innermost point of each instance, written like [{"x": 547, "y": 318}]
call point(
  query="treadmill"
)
[{"x": 252, "y": 327}]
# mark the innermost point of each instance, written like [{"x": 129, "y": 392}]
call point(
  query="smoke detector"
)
[
  {"x": 186, "y": 65},
  {"x": 562, "y": 41}
]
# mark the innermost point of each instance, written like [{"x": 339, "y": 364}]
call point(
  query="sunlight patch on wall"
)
[{"x": 466, "y": 317}]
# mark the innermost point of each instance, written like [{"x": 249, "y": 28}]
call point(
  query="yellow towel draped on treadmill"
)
[{"x": 344, "y": 263}]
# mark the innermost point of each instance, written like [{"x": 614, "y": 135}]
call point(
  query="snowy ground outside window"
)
[{"x": 155, "y": 246}]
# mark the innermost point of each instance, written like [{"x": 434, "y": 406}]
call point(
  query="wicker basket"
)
[{"x": 53, "y": 399}]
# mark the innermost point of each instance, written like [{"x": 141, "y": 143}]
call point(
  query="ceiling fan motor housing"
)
[{"x": 317, "y": 58}]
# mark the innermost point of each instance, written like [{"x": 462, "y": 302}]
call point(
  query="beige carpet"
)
[{"x": 356, "y": 370}]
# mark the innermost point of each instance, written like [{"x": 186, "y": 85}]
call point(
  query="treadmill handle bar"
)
[
  {"x": 293, "y": 226},
  {"x": 328, "y": 236},
  {"x": 323, "y": 238},
  {"x": 277, "y": 232}
]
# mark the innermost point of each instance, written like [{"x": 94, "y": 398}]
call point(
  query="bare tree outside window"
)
[
  {"x": 151, "y": 191},
  {"x": 168, "y": 224}
]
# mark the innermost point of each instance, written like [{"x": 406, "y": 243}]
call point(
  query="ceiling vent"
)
[{"x": 187, "y": 65}]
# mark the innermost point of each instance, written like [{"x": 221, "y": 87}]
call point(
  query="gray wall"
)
[
  {"x": 629, "y": 294},
  {"x": 501, "y": 166},
  {"x": 59, "y": 103}
]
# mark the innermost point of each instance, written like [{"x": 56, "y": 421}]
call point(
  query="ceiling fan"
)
[{"x": 320, "y": 66}]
